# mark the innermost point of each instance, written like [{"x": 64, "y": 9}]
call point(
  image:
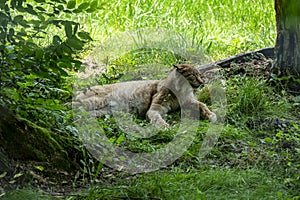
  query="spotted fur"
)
[{"x": 153, "y": 98}]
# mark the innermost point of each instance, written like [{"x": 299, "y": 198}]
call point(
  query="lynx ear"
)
[
  {"x": 177, "y": 66},
  {"x": 181, "y": 68}
]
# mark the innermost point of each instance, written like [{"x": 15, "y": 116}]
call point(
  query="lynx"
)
[{"x": 148, "y": 98}]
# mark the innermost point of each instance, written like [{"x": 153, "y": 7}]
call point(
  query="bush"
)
[{"x": 34, "y": 63}]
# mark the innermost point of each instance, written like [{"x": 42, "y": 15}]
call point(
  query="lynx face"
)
[
  {"x": 191, "y": 74},
  {"x": 153, "y": 98}
]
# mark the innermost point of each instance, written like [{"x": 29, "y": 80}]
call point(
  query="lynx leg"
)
[
  {"x": 155, "y": 115},
  {"x": 207, "y": 113}
]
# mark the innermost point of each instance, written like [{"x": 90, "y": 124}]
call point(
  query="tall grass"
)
[{"x": 222, "y": 28}]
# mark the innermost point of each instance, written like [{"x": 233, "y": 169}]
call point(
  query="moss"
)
[
  {"x": 24, "y": 140},
  {"x": 45, "y": 139}
]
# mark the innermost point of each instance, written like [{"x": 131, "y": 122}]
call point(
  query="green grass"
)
[
  {"x": 250, "y": 159},
  {"x": 253, "y": 158},
  {"x": 210, "y": 184},
  {"x": 222, "y": 28},
  {"x": 27, "y": 194}
]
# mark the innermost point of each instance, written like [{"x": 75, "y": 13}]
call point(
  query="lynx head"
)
[{"x": 191, "y": 74}]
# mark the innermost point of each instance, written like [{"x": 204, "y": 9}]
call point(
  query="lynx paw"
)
[
  {"x": 161, "y": 124},
  {"x": 212, "y": 117}
]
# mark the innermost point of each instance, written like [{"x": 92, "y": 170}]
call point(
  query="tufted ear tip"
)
[
  {"x": 179, "y": 66},
  {"x": 175, "y": 66}
]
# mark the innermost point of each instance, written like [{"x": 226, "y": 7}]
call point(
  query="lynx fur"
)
[{"x": 152, "y": 98}]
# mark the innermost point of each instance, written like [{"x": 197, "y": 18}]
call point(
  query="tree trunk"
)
[{"x": 287, "y": 49}]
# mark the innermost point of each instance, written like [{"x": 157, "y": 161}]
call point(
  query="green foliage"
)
[
  {"x": 33, "y": 69},
  {"x": 248, "y": 96}
]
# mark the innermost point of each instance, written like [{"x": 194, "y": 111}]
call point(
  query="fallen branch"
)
[{"x": 225, "y": 63}]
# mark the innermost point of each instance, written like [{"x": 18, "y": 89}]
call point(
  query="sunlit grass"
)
[{"x": 222, "y": 28}]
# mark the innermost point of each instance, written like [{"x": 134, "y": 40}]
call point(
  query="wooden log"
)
[{"x": 225, "y": 63}]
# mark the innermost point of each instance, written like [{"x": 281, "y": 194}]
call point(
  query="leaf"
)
[
  {"x": 74, "y": 43},
  {"x": 252, "y": 144},
  {"x": 60, "y": 1},
  {"x": 30, "y": 10},
  {"x": 18, "y": 175},
  {"x": 76, "y": 28},
  {"x": 91, "y": 10},
  {"x": 83, "y": 6},
  {"x": 65, "y": 65},
  {"x": 41, "y": 17},
  {"x": 13, "y": 3},
  {"x": 20, "y": 8},
  {"x": 269, "y": 140},
  {"x": 68, "y": 12},
  {"x": 39, "y": 54},
  {"x": 3, "y": 174},
  {"x": 60, "y": 7},
  {"x": 120, "y": 139},
  {"x": 40, "y": 8},
  {"x": 40, "y": 168},
  {"x": 66, "y": 49},
  {"x": 120, "y": 168},
  {"x": 18, "y": 18},
  {"x": 272, "y": 153},
  {"x": 56, "y": 40},
  {"x": 24, "y": 23},
  {"x": 77, "y": 11},
  {"x": 36, "y": 23},
  {"x": 68, "y": 29},
  {"x": 84, "y": 35},
  {"x": 11, "y": 34},
  {"x": 71, "y": 4},
  {"x": 94, "y": 4}
]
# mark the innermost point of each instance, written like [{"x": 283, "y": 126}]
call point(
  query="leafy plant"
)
[{"x": 34, "y": 69}]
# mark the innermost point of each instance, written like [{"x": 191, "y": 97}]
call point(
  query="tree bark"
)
[{"x": 287, "y": 49}]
